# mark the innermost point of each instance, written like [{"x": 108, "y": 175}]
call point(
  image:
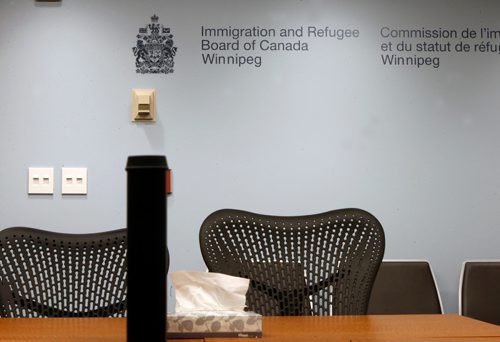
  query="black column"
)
[{"x": 147, "y": 251}]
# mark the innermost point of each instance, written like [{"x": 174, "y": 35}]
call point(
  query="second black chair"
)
[
  {"x": 479, "y": 294},
  {"x": 405, "y": 287},
  {"x": 322, "y": 264}
]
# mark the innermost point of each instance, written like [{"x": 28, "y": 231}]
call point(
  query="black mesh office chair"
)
[
  {"x": 322, "y": 264},
  {"x": 405, "y": 287},
  {"x": 479, "y": 295},
  {"x": 47, "y": 274}
]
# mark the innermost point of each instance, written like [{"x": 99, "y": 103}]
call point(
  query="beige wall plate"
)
[{"x": 143, "y": 105}]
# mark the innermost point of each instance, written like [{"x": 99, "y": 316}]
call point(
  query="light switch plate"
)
[
  {"x": 143, "y": 105},
  {"x": 40, "y": 180},
  {"x": 74, "y": 181}
]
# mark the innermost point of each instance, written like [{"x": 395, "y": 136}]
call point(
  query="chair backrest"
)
[
  {"x": 405, "y": 287},
  {"x": 322, "y": 264},
  {"x": 479, "y": 293},
  {"x": 47, "y": 274}
]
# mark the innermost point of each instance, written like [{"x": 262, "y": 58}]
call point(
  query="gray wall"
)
[{"x": 306, "y": 132}]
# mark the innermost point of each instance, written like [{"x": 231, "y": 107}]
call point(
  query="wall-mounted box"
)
[{"x": 143, "y": 105}]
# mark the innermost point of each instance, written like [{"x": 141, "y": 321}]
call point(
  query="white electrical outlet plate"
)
[
  {"x": 74, "y": 181},
  {"x": 40, "y": 180}
]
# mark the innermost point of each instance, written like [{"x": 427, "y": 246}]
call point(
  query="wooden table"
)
[
  {"x": 376, "y": 328},
  {"x": 442, "y": 328}
]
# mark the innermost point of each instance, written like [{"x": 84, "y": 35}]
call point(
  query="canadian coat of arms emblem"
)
[{"x": 155, "y": 50}]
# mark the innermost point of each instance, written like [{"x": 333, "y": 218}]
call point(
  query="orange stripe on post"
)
[{"x": 169, "y": 181}]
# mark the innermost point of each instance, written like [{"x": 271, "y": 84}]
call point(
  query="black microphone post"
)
[{"x": 147, "y": 248}]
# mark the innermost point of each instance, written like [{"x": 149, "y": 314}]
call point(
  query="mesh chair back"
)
[
  {"x": 47, "y": 274},
  {"x": 322, "y": 264}
]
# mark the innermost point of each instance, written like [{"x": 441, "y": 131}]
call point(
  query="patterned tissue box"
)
[{"x": 200, "y": 324}]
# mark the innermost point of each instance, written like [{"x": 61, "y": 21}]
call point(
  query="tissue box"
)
[{"x": 201, "y": 324}]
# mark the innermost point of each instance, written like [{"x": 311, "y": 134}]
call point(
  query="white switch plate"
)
[
  {"x": 40, "y": 180},
  {"x": 74, "y": 181}
]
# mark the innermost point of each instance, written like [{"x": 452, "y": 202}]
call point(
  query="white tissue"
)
[{"x": 204, "y": 291}]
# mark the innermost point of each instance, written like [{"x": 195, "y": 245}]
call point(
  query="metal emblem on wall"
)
[{"x": 155, "y": 50}]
